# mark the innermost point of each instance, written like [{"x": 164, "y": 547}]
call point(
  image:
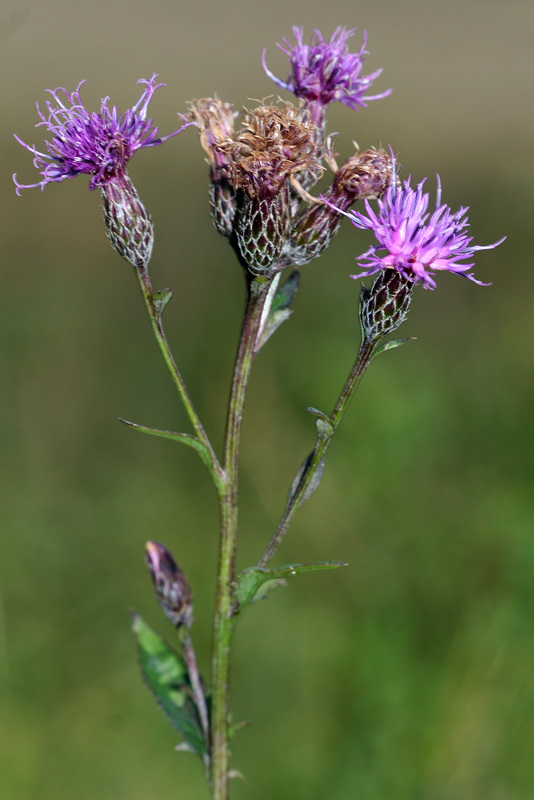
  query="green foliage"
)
[
  {"x": 182, "y": 438},
  {"x": 161, "y": 300},
  {"x": 254, "y": 583},
  {"x": 165, "y": 674}
]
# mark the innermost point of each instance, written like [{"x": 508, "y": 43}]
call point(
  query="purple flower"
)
[
  {"x": 324, "y": 72},
  {"x": 97, "y": 144},
  {"x": 413, "y": 240}
]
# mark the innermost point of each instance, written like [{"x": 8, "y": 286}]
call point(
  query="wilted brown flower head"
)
[
  {"x": 216, "y": 122},
  {"x": 274, "y": 143},
  {"x": 366, "y": 174}
]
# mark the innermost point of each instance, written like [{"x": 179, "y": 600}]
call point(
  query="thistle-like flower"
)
[
  {"x": 170, "y": 585},
  {"x": 325, "y": 72},
  {"x": 414, "y": 241},
  {"x": 100, "y": 145},
  {"x": 96, "y": 144}
]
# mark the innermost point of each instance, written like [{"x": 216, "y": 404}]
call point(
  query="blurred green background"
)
[{"x": 406, "y": 676}]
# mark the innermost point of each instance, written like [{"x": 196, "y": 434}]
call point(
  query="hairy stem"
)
[
  {"x": 223, "y": 622},
  {"x": 159, "y": 334},
  {"x": 363, "y": 360}
]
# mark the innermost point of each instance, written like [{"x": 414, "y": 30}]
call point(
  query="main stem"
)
[{"x": 223, "y": 622}]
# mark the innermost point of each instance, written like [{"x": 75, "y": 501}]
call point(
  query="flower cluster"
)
[{"x": 261, "y": 173}]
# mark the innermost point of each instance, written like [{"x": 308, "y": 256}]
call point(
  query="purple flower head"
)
[
  {"x": 97, "y": 144},
  {"x": 324, "y": 72},
  {"x": 413, "y": 240}
]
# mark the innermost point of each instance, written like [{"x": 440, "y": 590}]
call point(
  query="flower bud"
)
[
  {"x": 385, "y": 305},
  {"x": 170, "y": 584},
  {"x": 128, "y": 224}
]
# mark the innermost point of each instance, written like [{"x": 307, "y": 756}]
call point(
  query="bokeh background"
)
[{"x": 406, "y": 676}]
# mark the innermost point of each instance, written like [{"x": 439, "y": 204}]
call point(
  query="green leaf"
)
[
  {"x": 279, "y": 310},
  {"x": 323, "y": 424},
  {"x": 165, "y": 674},
  {"x": 392, "y": 345},
  {"x": 313, "y": 483},
  {"x": 253, "y": 583},
  {"x": 160, "y": 300},
  {"x": 286, "y": 294},
  {"x": 183, "y": 438}
]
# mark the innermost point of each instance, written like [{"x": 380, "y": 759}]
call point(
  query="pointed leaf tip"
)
[
  {"x": 392, "y": 345},
  {"x": 252, "y": 583}
]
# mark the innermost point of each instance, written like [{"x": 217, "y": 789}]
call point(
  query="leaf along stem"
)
[
  {"x": 365, "y": 355},
  {"x": 157, "y": 327}
]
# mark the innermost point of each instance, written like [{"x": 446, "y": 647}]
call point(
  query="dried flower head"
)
[
  {"x": 215, "y": 120},
  {"x": 366, "y": 174},
  {"x": 325, "y": 72},
  {"x": 274, "y": 143},
  {"x": 96, "y": 144},
  {"x": 363, "y": 175},
  {"x": 413, "y": 240},
  {"x": 170, "y": 584}
]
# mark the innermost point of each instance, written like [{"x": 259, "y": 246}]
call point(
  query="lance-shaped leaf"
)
[
  {"x": 254, "y": 583},
  {"x": 183, "y": 438},
  {"x": 313, "y": 483},
  {"x": 391, "y": 345},
  {"x": 279, "y": 310},
  {"x": 165, "y": 674}
]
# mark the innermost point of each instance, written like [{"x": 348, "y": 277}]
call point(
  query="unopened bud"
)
[
  {"x": 170, "y": 584},
  {"x": 385, "y": 305},
  {"x": 128, "y": 224}
]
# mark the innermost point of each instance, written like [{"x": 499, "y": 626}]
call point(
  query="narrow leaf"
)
[
  {"x": 392, "y": 345},
  {"x": 183, "y": 438},
  {"x": 314, "y": 481},
  {"x": 252, "y": 583},
  {"x": 279, "y": 309},
  {"x": 286, "y": 294},
  {"x": 165, "y": 674},
  {"x": 160, "y": 300}
]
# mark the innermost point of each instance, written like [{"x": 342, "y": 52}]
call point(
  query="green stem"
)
[
  {"x": 223, "y": 622},
  {"x": 157, "y": 327},
  {"x": 363, "y": 360}
]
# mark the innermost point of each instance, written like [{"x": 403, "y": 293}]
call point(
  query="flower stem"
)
[
  {"x": 157, "y": 327},
  {"x": 223, "y": 622},
  {"x": 363, "y": 360},
  {"x": 196, "y": 685}
]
